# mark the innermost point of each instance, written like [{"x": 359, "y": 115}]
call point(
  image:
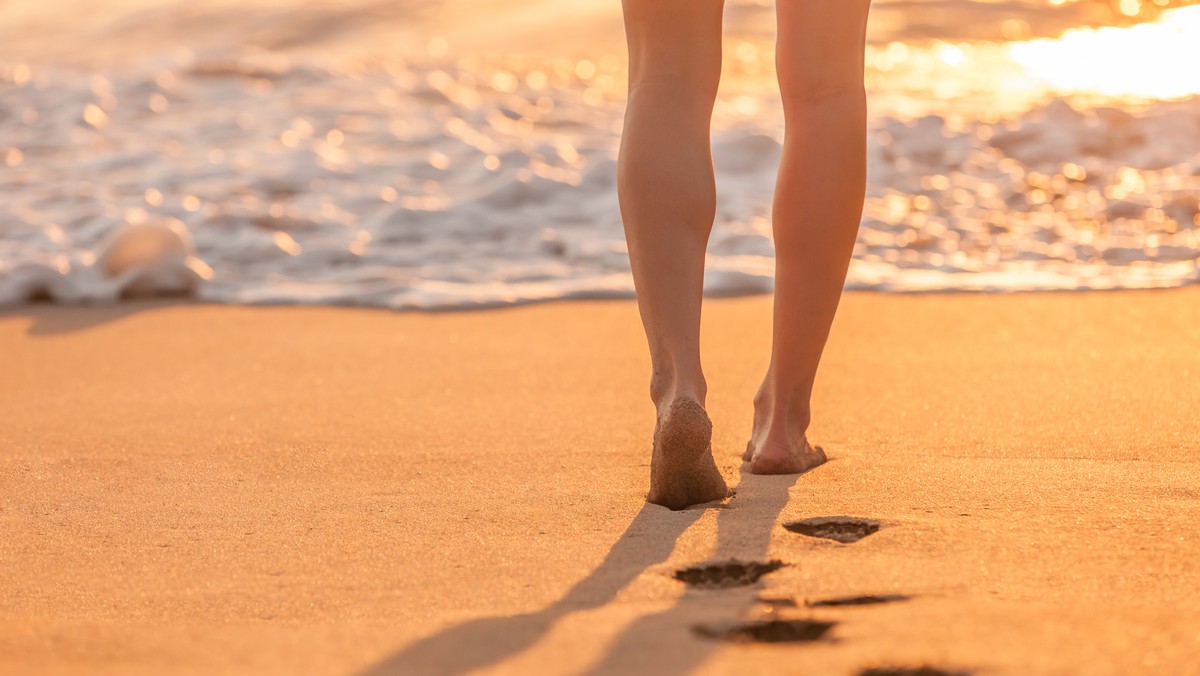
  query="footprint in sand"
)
[
  {"x": 732, "y": 573},
  {"x": 767, "y": 631},
  {"x": 844, "y": 529},
  {"x": 911, "y": 671},
  {"x": 869, "y": 600}
]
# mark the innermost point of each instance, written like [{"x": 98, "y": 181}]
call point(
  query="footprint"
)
[
  {"x": 911, "y": 671},
  {"x": 732, "y": 573},
  {"x": 844, "y": 529},
  {"x": 767, "y": 631},
  {"x": 858, "y": 600}
]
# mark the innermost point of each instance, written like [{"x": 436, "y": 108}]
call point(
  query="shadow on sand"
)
[
  {"x": 660, "y": 643},
  {"x": 51, "y": 320}
]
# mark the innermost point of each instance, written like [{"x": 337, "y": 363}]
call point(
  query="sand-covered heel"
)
[
  {"x": 682, "y": 470},
  {"x": 684, "y": 433}
]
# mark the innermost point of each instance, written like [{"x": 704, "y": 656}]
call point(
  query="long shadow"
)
[
  {"x": 50, "y": 320},
  {"x": 649, "y": 539},
  {"x": 664, "y": 643},
  {"x": 744, "y": 531}
]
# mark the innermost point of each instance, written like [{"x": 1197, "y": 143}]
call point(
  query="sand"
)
[{"x": 200, "y": 489}]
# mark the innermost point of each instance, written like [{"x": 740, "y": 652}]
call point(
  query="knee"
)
[
  {"x": 806, "y": 87},
  {"x": 677, "y": 85},
  {"x": 809, "y": 76},
  {"x": 684, "y": 74},
  {"x": 819, "y": 54}
]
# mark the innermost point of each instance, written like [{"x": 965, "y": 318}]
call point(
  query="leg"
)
[
  {"x": 818, "y": 206},
  {"x": 668, "y": 202}
]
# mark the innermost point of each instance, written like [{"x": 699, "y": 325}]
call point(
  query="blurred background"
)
[{"x": 461, "y": 153}]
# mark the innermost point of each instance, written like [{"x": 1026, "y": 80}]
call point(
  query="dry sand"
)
[{"x": 313, "y": 490}]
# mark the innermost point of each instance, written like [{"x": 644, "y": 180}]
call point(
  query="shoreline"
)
[{"x": 135, "y": 303}]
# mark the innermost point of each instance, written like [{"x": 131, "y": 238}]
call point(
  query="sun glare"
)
[{"x": 1152, "y": 60}]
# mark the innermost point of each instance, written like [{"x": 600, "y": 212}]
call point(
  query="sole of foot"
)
[
  {"x": 780, "y": 459},
  {"x": 683, "y": 472}
]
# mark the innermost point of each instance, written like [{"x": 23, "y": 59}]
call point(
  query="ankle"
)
[
  {"x": 788, "y": 428},
  {"x": 785, "y": 413},
  {"x": 669, "y": 387}
]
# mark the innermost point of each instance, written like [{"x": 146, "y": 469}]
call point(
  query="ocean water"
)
[{"x": 458, "y": 154}]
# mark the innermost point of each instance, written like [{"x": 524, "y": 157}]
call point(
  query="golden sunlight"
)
[{"x": 1152, "y": 60}]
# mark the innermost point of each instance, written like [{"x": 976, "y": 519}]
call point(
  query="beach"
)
[
  {"x": 319, "y": 351},
  {"x": 200, "y": 488}
]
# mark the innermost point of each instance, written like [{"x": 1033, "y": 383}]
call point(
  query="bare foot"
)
[
  {"x": 682, "y": 470},
  {"x": 783, "y": 458}
]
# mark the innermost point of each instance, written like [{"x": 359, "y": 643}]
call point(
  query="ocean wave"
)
[{"x": 257, "y": 177}]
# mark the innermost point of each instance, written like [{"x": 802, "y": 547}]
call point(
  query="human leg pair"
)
[{"x": 668, "y": 202}]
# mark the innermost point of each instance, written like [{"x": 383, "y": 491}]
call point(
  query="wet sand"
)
[
  {"x": 85, "y": 34},
  {"x": 198, "y": 489}
]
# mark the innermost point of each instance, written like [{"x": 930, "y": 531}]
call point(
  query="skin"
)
[{"x": 668, "y": 204}]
